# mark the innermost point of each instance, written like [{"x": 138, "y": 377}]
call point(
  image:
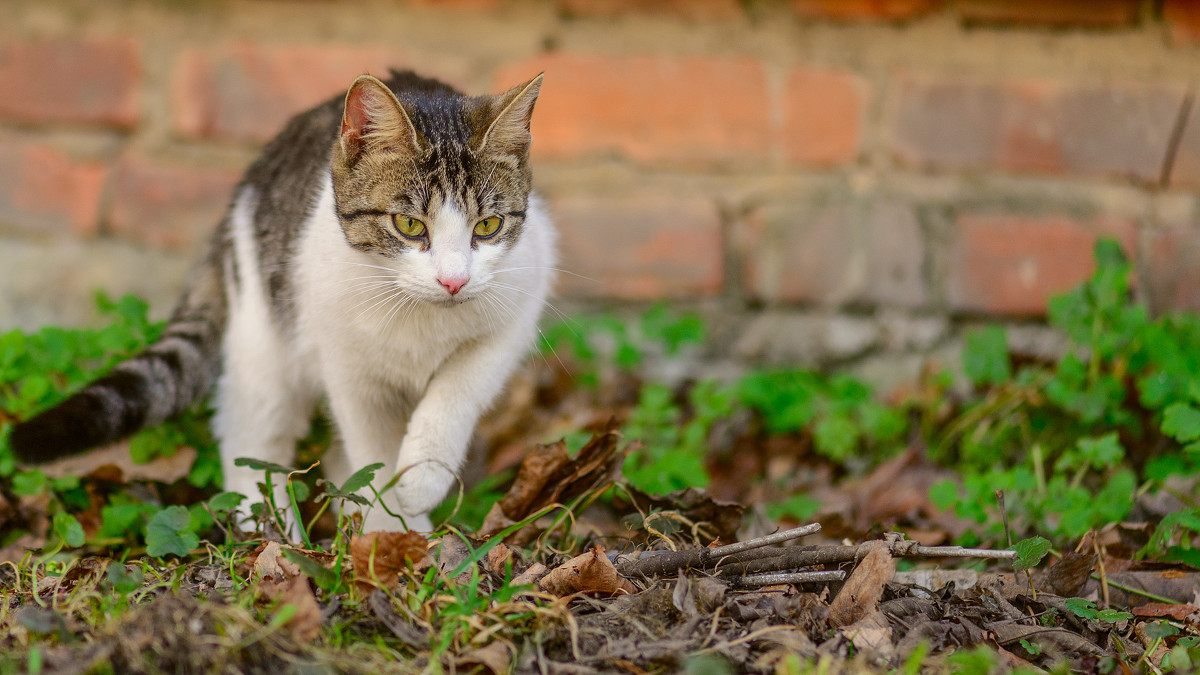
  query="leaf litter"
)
[{"x": 558, "y": 580}]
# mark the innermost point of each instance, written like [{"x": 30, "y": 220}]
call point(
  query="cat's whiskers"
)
[
  {"x": 543, "y": 267},
  {"x": 544, "y": 301}
]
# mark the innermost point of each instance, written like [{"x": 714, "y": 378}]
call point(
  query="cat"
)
[{"x": 386, "y": 254}]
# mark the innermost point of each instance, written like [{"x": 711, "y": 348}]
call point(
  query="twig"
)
[
  {"x": 796, "y": 557},
  {"x": 665, "y": 562},
  {"x": 756, "y": 580}
]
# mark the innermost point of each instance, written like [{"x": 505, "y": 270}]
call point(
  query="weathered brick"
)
[
  {"x": 682, "y": 9},
  {"x": 1037, "y": 126},
  {"x": 647, "y": 108},
  {"x": 168, "y": 205},
  {"x": 1171, "y": 273},
  {"x": 823, "y": 116},
  {"x": 460, "y": 5},
  {"x": 1012, "y": 264},
  {"x": 248, "y": 91},
  {"x": 1183, "y": 19},
  {"x": 69, "y": 80},
  {"x": 638, "y": 246},
  {"x": 857, "y": 10},
  {"x": 1058, "y": 13},
  {"x": 43, "y": 191},
  {"x": 834, "y": 251},
  {"x": 1185, "y": 171}
]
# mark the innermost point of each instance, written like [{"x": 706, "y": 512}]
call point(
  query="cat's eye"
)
[
  {"x": 409, "y": 227},
  {"x": 488, "y": 226}
]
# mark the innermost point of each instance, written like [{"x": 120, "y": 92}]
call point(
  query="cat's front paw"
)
[{"x": 422, "y": 487}]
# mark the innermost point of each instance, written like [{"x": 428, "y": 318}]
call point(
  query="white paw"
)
[{"x": 422, "y": 487}]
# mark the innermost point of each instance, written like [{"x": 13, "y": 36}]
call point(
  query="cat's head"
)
[{"x": 434, "y": 184}]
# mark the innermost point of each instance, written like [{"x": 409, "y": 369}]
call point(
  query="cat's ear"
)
[
  {"x": 508, "y": 131},
  {"x": 373, "y": 119}
]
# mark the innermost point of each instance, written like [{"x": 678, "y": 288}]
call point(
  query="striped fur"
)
[{"x": 308, "y": 292}]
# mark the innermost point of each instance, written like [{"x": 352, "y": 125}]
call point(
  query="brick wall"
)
[{"x": 829, "y": 180}]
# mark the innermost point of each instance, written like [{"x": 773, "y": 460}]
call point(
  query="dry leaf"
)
[
  {"x": 496, "y": 657},
  {"x": 861, "y": 593},
  {"x": 1177, "y": 612},
  {"x": 530, "y": 576},
  {"x": 113, "y": 463},
  {"x": 270, "y": 565},
  {"x": 305, "y": 624},
  {"x": 591, "y": 573},
  {"x": 549, "y": 475},
  {"x": 696, "y": 505},
  {"x": 379, "y": 557},
  {"x": 498, "y": 558},
  {"x": 872, "y": 634}
]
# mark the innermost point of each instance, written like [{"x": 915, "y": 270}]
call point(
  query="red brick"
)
[
  {"x": 647, "y": 108},
  {"x": 1011, "y": 264},
  {"x": 857, "y": 10},
  {"x": 1172, "y": 275},
  {"x": 168, "y": 205},
  {"x": 44, "y": 191},
  {"x": 1034, "y": 126},
  {"x": 823, "y": 116},
  {"x": 832, "y": 251},
  {"x": 1185, "y": 171},
  {"x": 460, "y": 5},
  {"x": 1055, "y": 13},
  {"x": 681, "y": 9},
  {"x": 1183, "y": 20},
  {"x": 74, "y": 81},
  {"x": 638, "y": 246},
  {"x": 248, "y": 91}
]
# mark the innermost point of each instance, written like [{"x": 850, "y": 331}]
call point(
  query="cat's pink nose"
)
[{"x": 453, "y": 284}]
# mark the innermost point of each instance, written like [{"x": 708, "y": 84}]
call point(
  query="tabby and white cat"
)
[{"x": 384, "y": 253}]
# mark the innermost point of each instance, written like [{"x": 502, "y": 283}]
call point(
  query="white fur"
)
[{"x": 407, "y": 369}]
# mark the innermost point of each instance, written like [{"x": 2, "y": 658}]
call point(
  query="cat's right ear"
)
[{"x": 373, "y": 119}]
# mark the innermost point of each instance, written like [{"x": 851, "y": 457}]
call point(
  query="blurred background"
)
[{"x": 851, "y": 183}]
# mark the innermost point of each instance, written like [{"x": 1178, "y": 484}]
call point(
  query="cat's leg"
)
[
  {"x": 263, "y": 405},
  {"x": 370, "y": 419},
  {"x": 443, "y": 422}
]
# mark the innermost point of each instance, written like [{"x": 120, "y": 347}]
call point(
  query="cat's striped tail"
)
[{"x": 162, "y": 381}]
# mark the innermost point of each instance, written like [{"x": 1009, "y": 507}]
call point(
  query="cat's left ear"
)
[
  {"x": 374, "y": 119},
  {"x": 508, "y": 132}
]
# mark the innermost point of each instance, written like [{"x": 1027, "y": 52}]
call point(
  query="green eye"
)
[
  {"x": 409, "y": 227},
  {"x": 487, "y": 227}
]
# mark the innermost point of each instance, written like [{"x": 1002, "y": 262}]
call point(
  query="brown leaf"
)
[
  {"x": 305, "y": 624},
  {"x": 496, "y": 657},
  {"x": 861, "y": 593},
  {"x": 696, "y": 505},
  {"x": 591, "y": 573},
  {"x": 498, "y": 558},
  {"x": 530, "y": 576},
  {"x": 379, "y": 557},
  {"x": 1070, "y": 573},
  {"x": 872, "y": 634},
  {"x": 270, "y": 565},
  {"x": 113, "y": 463},
  {"x": 1177, "y": 612},
  {"x": 549, "y": 475}
]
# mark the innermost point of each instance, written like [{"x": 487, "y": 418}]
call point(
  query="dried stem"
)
[{"x": 756, "y": 580}]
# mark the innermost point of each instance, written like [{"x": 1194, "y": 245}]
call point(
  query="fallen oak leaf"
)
[
  {"x": 379, "y": 557},
  {"x": 549, "y": 475},
  {"x": 862, "y": 591},
  {"x": 591, "y": 573},
  {"x": 304, "y": 624}
]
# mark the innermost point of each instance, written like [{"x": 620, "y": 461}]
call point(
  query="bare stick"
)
[
  {"x": 756, "y": 580},
  {"x": 666, "y": 562},
  {"x": 759, "y": 542}
]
